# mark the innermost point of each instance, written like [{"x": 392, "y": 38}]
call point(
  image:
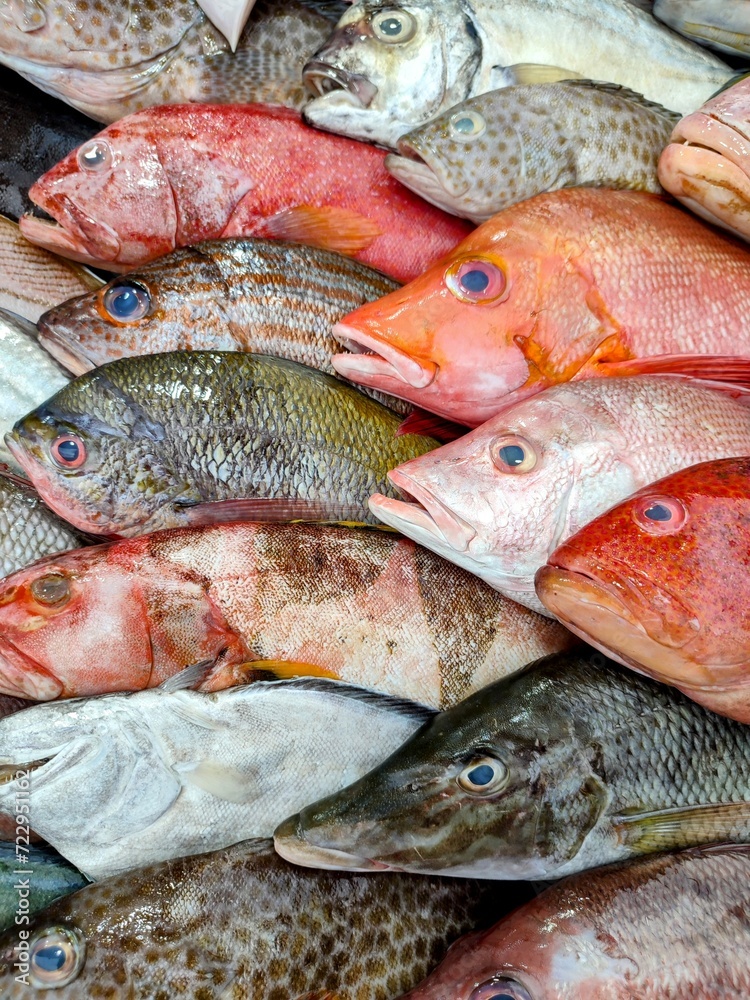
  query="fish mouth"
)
[
  {"x": 62, "y": 350},
  {"x": 22, "y": 677},
  {"x": 68, "y": 230},
  {"x": 321, "y": 79},
  {"x": 421, "y": 515},
  {"x": 378, "y": 364},
  {"x": 417, "y": 168},
  {"x": 289, "y": 842}
]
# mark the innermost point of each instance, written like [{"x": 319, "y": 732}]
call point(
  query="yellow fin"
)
[
  {"x": 525, "y": 73},
  {"x": 286, "y": 669},
  {"x": 328, "y": 227},
  {"x": 684, "y": 827}
]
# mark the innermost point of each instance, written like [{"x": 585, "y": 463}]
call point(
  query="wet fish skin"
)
[
  {"x": 50, "y": 877},
  {"x": 232, "y": 921},
  {"x": 591, "y": 765},
  {"x": 523, "y": 140},
  {"x": 721, "y": 24}
]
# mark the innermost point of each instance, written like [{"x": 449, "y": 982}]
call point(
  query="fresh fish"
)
[
  {"x": 29, "y": 530},
  {"x": 229, "y": 16},
  {"x": 388, "y": 69},
  {"x": 146, "y": 443},
  {"x": 671, "y": 926},
  {"x": 244, "y": 925},
  {"x": 363, "y": 605},
  {"x": 568, "y": 285},
  {"x": 574, "y": 764},
  {"x": 720, "y": 24},
  {"x": 170, "y": 177},
  {"x": 33, "y": 280},
  {"x": 43, "y": 876},
  {"x": 28, "y": 375},
  {"x": 661, "y": 583},
  {"x": 501, "y": 499},
  {"x": 508, "y": 145},
  {"x": 706, "y": 166}
]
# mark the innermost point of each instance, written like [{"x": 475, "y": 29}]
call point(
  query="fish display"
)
[
  {"x": 43, "y": 877},
  {"x": 171, "y": 176},
  {"x": 660, "y": 582},
  {"x": 499, "y": 500},
  {"x": 574, "y": 284},
  {"x": 387, "y": 69},
  {"x": 178, "y": 925},
  {"x": 363, "y": 605},
  {"x": 593, "y": 935},
  {"x": 574, "y": 764},
  {"x": 706, "y": 165},
  {"x": 508, "y": 145},
  {"x": 147, "y": 443},
  {"x": 721, "y": 24}
]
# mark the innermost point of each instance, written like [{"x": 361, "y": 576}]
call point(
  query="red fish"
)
[{"x": 171, "y": 176}]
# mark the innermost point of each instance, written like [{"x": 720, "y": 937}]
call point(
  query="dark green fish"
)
[
  {"x": 146, "y": 443},
  {"x": 40, "y": 878},
  {"x": 572, "y": 765},
  {"x": 28, "y": 529}
]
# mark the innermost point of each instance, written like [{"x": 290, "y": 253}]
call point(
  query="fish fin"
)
[
  {"x": 286, "y": 669},
  {"x": 229, "y": 18},
  {"x": 191, "y": 677},
  {"x": 525, "y": 73},
  {"x": 431, "y": 425},
  {"x": 329, "y": 228},
  {"x": 670, "y": 828},
  {"x": 271, "y": 511},
  {"x": 712, "y": 367},
  {"x": 631, "y": 95},
  {"x": 220, "y": 780}
]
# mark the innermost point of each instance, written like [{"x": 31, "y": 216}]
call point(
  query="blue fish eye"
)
[
  {"x": 475, "y": 281},
  {"x": 50, "y": 959},
  {"x": 56, "y": 957},
  {"x": 658, "y": 512},
  {"x": 392, "y": 26},
  {"x": 127, "y": 303},
  {"x": 68, "y": 450},
  {"x": 481, "y": 775},
  {"x": 512, "y": 455},
  {"x": 463, "y": 125}
]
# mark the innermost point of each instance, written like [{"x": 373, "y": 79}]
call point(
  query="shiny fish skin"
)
[
  {"x": 596, "y": 764},
  {"x": 168, "y": 431},
  {"x": 29, "y": 530},
  {"x": 241, "y": 924},
  {"x": 50, "y": 877},
  {"x": 721, "y": 24},
  {"x": 534, "y": 138}
]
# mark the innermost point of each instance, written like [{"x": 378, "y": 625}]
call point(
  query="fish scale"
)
[{"x": 29, "y": 530}]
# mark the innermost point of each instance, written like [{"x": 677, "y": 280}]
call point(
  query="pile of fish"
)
[{"x": 375, "y": 500}]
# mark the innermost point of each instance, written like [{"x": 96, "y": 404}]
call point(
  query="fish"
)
[
  {"x": 172, "y": 176},
  {"x": 365, "y": 606},
  {"x": 720, "y": 24},
  {"x": 705, "y": 164},
  {"x": 29, "y": 530},
  {"x": 568, "y": 285},
  {"x": 659, "y": 582},
  {"x": 33, "y": 280},
  {"x": 170, "y": 773},
  {"x": 501, "y": 499},
  {"x": 503, "y": 147},
  {"x": 229, "y": 16},
  {"x": 571, "y": 765},
  {"x": 242, "y": 923},
  {"x": 28, "y": 375},
  {"x": 147, "y": 443},
  {"x": 41, "y": 878},
  {"x": 386, "y": 70},
  {"x": 593, "y": 935}
]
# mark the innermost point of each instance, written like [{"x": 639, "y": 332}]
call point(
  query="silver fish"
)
[
  {"x": 721, "y": 24},
  {"x": 28, "y": 529}
]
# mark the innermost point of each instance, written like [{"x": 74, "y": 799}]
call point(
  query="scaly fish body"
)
[
  {"x": 29, "y": 530},
  {"x": 388, "y": 69},
  {"x": 172, "y": 176},
  {"x": 574, "y": 764},
  {"x": 568, "y": 285},
  {"x": 506, "y": 146},
  {"x": 46, "y": 877},
  {"x": 501, "y": 499},
  {"x": 720, "y": 24}
]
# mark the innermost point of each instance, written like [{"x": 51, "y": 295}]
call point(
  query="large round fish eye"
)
[
  {"x": 660, "y": 515},
  {"x": 514, "y": 454},
  {"x": 394, "y": 26},
  {"x": 126, "y": 302},
  {"x": 68, "y": 451},
  {"x": 479, "y": 281},
  {"x": 501, "y": 988},
  {"x": 484, "y": 776},
  {"x": 56, "y": 956},
  {"x": 51, "y": 590},
  {"x": 95, "y": 155},
  {"x": 467, "y": 125}
]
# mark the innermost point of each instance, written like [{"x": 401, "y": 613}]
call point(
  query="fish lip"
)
[
  {"x": 371, "y": 358},
  {"x": 426, "y": 512},
  {"x": 69, "y": 231},
  {"x": 22, "y": 677},
  {"x": 321, "y": 79},
  {"x": 292, "y": 847},
  {"x": 62, "y": 350},
  {"x": 421, "y": 156}
]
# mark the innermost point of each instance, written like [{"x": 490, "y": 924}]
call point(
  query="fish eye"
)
[
  {"x": 484, "y": 776},
  {"x": 479, "y": 280},
  {"x": 127, "y": 302},
  {"x": 95, "y": 155},
  {"x": 394, "y": 26},
  {"x": 56, "y": 956},
  {"x": 68, "y": 451},
  {"x": 513, "y": 454},
  {"x": 51, "y": 590},
  {"x": 467, "y": 125},
  {"x": 660, "y": 515},
  {"x": 501, "y": 988}
]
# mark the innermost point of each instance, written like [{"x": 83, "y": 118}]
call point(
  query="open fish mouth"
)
[
  {"x": 418, "y": 169},
  {"x": 423, "y": 515},
  {"x": 63, "y": 227},
  {"x": 378, "y": 364},
  {"x": 321, "y": 79}
]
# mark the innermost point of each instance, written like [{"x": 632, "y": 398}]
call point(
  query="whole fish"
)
[
  {"x": 501, "y": 499},
  {"x": 28, "y": 529},
  {"x": 363, "y": 605},
  {"x": 43, "y": 876},
  {"x": 574, "y": 764},
  {"x": 568, "y": 285},
  {"x": 670, "y": 926},
  {"x": 147, "y": 443},
  {"x": 506, "y": 146},
  {"x": 388, "y": 69},
  {"x": 720, "y": 24},
  {"x": 172, "y": 176},
  {"x": 660, "y": 582},
  {"x": 28, "y": 375},
  {"x": 242, "y": 924},
  {"x": 32, "y": 280},
  {"x": 173, "y": 773},
  {"x": 706, "y": 166}
]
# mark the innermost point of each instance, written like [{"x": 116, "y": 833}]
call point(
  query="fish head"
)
[
  {"x": 48, "y": 959},
  {"x": 368, "y": 81}
]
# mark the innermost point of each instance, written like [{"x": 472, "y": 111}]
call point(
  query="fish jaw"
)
[
  {"x": 22, "y": 677},
  {"x": 72, "y": 232},
  {"x": 380, "y": 365},
  {"x": 62, "y": 348},
  {"x": 427, "y": 513},
  {"x": 421, "y": 172},
  {"x": 292, "y": 846}
]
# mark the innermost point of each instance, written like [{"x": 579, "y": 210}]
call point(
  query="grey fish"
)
[
  {"x": 571, "y": 765},
  {"x": 388, "y": 69},
  {"x": 241, "y": 924},
  {"x": 511, "y": 144},
  {"x": 43, "y": 875},
  {"x": 721, "y": 24}
]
